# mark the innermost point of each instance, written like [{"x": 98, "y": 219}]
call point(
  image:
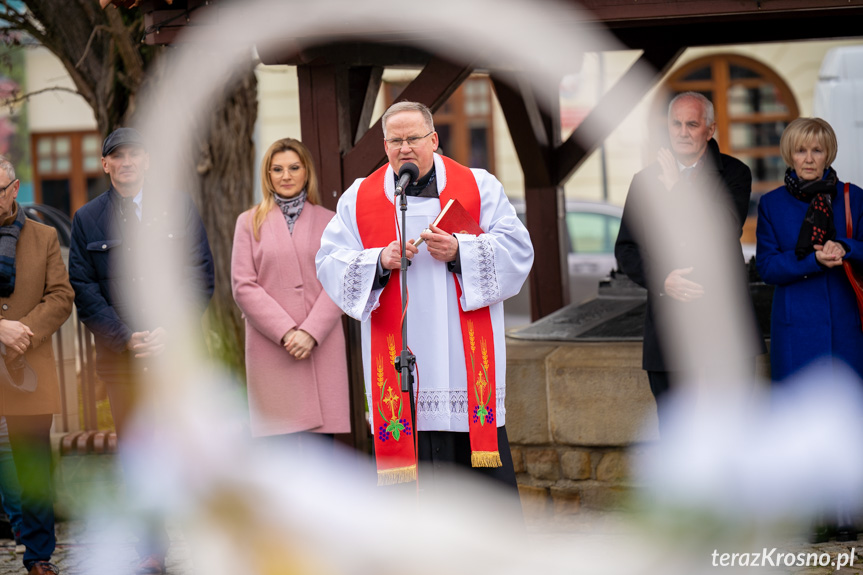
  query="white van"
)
[{"x": 839, "y": 100}]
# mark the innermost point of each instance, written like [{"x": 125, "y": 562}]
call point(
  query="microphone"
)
[{"x": 408, "y": 173}]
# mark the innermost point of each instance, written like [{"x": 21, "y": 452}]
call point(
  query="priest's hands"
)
[
  {"x": 441, "y": 245},
  {"x": 391, "y": 256}
]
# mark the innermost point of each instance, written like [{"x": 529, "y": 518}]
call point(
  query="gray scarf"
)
[
  {"x": 8, "y": 242},
  {"x": 291, "y": 208}
]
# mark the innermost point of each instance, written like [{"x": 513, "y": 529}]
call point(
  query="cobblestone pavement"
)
[
  {"x": 76, "y": 550},
  {"x": 614, "y": 527},
  {"x": 73, "y": 558}
]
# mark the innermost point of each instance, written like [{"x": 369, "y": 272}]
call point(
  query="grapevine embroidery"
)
[
  {"x": 395, "y": 423},
  {"x": 482, "y": 412}
]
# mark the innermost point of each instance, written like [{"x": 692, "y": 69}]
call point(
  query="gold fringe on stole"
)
[
  {"x": 485, "y": 459},
  {"x": 398, "y": 475}
]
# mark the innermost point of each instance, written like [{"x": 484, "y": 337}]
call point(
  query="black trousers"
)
[
  {"x": 441, "y": 452},
  {"x": 152, "y": 535},
  {"x": 660, "y": 386}
]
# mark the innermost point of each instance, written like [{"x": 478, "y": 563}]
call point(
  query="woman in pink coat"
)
[{"x": 295, "y": 347}]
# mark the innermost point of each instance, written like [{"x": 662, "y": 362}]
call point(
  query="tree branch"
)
[
  {"x": 97, "y": 29},
  {"x": 127, "y": 49},
  {"x": 23, "y": 22},
  {"x": 10, "y": 102}
]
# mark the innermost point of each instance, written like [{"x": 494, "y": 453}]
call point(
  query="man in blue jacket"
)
[{"x": 105, "y": 231}]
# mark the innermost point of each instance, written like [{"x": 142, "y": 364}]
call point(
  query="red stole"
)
[{"x": 393, "y": 436}]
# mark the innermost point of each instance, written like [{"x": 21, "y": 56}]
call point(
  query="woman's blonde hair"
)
[
  {"x": 803, "y": 130},
  {"x": 267, "y": 189}
]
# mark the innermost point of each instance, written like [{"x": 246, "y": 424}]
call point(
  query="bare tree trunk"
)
[
  {"x": 225, "y": 189},
  {"x": 100, "y": 50},
  {"x": 102, "y": 53}
]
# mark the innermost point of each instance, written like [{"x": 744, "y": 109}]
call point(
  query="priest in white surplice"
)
[{"x": 460, "y": 349}]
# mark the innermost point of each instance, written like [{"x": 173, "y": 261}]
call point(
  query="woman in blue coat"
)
[{"x": 802, "y": 241}]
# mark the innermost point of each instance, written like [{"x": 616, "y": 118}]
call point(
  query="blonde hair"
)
[
  {"x": 268, "y": 191},
  {"x": 803, "y": 130}
]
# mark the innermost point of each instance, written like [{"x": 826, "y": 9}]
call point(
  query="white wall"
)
[
  {"x": 627, "y": 150},
  {"x": 278, "y": 111},
  {"x": 54, "y": 111}
]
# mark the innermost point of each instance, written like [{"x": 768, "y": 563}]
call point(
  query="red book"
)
[{"x": 454, "y": 219}]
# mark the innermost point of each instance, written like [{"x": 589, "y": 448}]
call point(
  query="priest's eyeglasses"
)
[
  {"x": 412, "y": 142},
  {"x": 6, "y": 187}
]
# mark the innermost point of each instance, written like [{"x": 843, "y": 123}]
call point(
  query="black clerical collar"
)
[{"x": 425, "y": 187}]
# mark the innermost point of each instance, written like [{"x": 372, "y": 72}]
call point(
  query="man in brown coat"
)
[{"x": 35, "y": 300}]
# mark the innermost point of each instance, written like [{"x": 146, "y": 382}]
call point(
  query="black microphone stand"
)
[{"x": 406, "y": 361}]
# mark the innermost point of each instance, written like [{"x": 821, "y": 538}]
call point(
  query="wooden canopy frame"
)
[{"x": 339, "y": 81}]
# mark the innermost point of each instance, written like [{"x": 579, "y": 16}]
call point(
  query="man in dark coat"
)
[
  {"x": 658, "y": 243},
  {"x": 105, "y": 231}
]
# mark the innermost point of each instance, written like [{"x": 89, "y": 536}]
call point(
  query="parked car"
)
[
  {"x": 53, "y": 217},
  {"x": 592, "y": 230}
]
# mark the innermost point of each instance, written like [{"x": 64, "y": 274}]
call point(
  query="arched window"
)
[{"x": 753, "y": 106}]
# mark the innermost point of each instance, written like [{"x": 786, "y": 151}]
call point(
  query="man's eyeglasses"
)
[
  {"x": 4, "y": 188},
  {"x": 412, "y": 142}
]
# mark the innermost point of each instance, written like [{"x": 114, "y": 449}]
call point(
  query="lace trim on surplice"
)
[
  {"x": 483, "y": 279},
  {"x": 356, "y": 277},
  {"x": 443, "y": 403}
]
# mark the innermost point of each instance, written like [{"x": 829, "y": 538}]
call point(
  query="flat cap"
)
[{"x": 122, "y": 137}]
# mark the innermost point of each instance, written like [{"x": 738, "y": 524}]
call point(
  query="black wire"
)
[{"x": 157, "y": 27}]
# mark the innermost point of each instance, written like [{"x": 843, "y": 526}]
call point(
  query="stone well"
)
[{"x": 579, "y": 405}]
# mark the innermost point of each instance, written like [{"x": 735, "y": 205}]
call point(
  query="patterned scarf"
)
[
  {"x": 817, "y": 226},
  {"x": 8, "y": 241},
  {"x": 291, "y": 208}
]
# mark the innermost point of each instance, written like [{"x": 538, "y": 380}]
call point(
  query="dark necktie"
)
[{"x": 130, "y": 218}]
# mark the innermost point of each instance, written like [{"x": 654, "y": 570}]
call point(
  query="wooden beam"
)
[
  {"x": 609, "y": 112},
  {"x": 749, "y": 28},
  {"x": 321, "y": 118},
  {"x": 528, "y": 130},
  {"x": 299, "y": 51},
  {"x": 534, "y": 135},
  {"x": 437, "y": 81},
  {"x": 364, "y": 83},
  {"x": 325, "y": 117},
  {"x": 612, "y": 11},
  {"x": 359, "y": 438},
  {"x": 549, "y": 278}
]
